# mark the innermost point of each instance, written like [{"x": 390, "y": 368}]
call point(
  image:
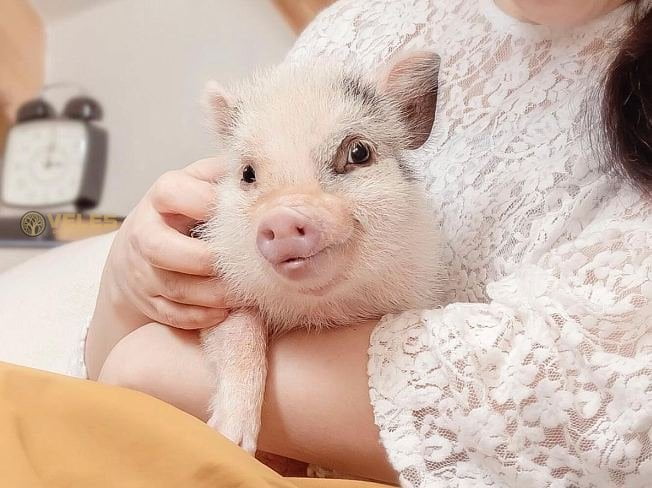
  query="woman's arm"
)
[
  {"x": 316, "y": 405},
  {"x": 547, "y": 383},
  {"x": 155, "y": 271}
]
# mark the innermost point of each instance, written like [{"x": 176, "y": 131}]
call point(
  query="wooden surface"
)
[
  {"x": 299, "y": 13},
  {"x": 22, "y": 52}
]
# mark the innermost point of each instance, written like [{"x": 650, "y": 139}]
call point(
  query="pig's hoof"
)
[{"x": 245, "y": 436}]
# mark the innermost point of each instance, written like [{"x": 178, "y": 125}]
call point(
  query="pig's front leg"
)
[{"x": 237, "y": 350}]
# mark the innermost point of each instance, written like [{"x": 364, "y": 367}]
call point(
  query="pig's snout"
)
[{"x": 287, "y": 238}]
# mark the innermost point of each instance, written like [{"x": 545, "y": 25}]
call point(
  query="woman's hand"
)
[
  {"x": 155, "y": 271},
  {"x": 154, "y": 267}
]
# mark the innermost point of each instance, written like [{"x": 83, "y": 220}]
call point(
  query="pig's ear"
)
[
  {"x": 219, "y": 106},
  {"x": 411, "y": 81}
]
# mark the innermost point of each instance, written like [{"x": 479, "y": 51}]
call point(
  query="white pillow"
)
[{"x": 47, "y": 302}]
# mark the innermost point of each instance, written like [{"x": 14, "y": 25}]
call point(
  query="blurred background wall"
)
[{"x": 146, "y": 61}]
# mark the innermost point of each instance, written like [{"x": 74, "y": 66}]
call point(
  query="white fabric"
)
[
  {"x": 46, "y": 305},
  {"x": 538, "y": 372}
]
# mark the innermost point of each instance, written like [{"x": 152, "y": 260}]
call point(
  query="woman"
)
[{"x": 539, "y": 369}]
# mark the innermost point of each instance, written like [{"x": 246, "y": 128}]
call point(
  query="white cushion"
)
[{"x": 46, "y": 304}]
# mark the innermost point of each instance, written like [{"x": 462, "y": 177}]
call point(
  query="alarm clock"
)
[{"x": 52, "y": 161}]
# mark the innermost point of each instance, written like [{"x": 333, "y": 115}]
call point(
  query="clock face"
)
[{"x": 44, "y": 163}]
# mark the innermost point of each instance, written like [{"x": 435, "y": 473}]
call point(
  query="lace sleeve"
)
[{"x": 548, "y": 384}]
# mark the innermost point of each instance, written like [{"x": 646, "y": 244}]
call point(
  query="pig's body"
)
[{"x": 321, "y": 222}]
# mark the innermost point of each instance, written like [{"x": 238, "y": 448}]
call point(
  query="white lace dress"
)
[{"x": 538, "y": 371}]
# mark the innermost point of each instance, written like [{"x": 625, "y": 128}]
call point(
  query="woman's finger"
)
[
  {"x": 209, "y": 169},
  {"x": 183, "y": 316},
  {"x": 180, "y": 223},
  {"x": 190, "y": 290},
  {"x": 177, "y": 192},
  {"x": 165, "y": 248}
]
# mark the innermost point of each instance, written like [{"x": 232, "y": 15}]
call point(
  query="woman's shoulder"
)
[{"x": 369, "y": 32}]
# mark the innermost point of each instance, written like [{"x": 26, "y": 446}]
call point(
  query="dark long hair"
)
[{"x": 627, "y": 103}]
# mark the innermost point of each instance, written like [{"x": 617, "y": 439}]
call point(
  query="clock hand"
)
[{"x": 48, "y": 162}]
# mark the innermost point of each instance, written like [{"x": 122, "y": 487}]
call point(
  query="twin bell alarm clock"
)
[{"x": 54, "y": 161}]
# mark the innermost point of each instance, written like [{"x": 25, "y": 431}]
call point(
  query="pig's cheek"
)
[
  {"x": 359, "y": 221},
  {"x": 247, "y": 218},
  {"x": 337, "y": 216}
]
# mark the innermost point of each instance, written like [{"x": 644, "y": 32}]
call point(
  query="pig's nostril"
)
[
  {"x": 301, "y": 231},
  {"x": 268, "y": 234}
]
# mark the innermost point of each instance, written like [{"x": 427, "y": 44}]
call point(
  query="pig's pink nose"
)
[{"x": 285, "y": 235}]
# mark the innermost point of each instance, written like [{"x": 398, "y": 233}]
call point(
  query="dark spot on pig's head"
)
[
  {"x": 407, "y": 170},
  {"x": 360, "y": 90}
]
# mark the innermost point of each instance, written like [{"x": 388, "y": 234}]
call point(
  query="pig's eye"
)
[
  {"x": 359, "y": 152},
  {"x": 248, "y": 174}
]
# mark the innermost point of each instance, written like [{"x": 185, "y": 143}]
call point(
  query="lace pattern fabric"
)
[{"x": 538, "y": 371}]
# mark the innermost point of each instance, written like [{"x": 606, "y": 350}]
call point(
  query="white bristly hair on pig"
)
[
  {"x": 291, "y": 120},
  {"x": 322, "y": 151}
]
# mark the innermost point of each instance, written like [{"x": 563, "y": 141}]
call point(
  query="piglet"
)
[{"x": 320, "y": 221}]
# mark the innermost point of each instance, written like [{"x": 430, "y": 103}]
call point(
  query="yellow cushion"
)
[{"x": 58, "y": 432}]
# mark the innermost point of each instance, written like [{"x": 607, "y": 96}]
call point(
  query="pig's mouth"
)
[
  {"x": 312, "y": 271},
  {"x": 316, "y": 274},
  {"x": 296, "y": 260},
  {"x": 299, "y": 267}
]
